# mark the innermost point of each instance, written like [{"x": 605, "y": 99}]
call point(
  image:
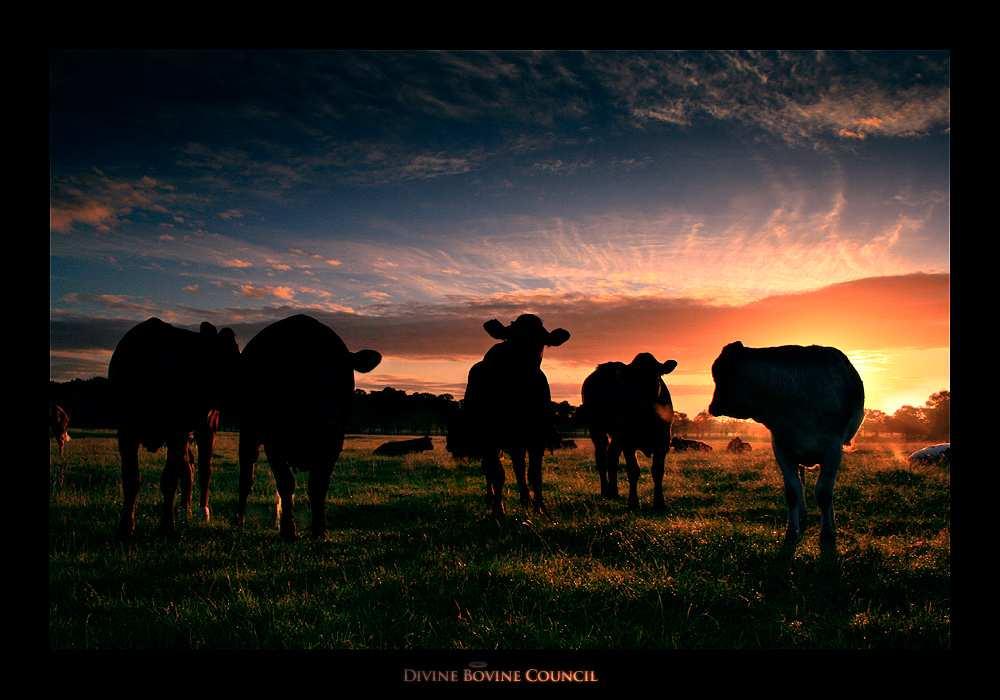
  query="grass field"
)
[{"x": 412, "y": 559}]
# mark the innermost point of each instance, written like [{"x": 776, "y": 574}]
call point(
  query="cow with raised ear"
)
[
  {"x": 627, "y": 408},
  {"x": 508, "y": 407},
  {"x": 298, "y": 377}
]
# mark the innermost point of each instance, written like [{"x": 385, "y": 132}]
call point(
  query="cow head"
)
[
  {"x": 222, "y": 358},
  {"x": 644, "y": 372},
  {"x": 527, "y": 335},
  {"x": 731, "y": 397}
]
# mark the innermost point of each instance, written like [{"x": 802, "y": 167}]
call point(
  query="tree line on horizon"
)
[{"x": 392, "y": 411}]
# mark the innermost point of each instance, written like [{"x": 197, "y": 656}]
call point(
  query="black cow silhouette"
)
[
  {"x": 395, "y": 448},
  {"x": 680, "y": 444},
  {"x": 167, "y": 382},
  {"x": 628, "y": 409},
  {"x": 59, "y": 425},
  {"x": 298, "y": 385},
  {"x": 812, "y": 400},
  {"x": 508, "y": 407},
  {"x": 738, "y": 445}
]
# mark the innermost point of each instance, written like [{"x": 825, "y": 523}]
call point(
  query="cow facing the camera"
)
[
  {"x": 811, "y": 399},
  {"x": 298, "y": 386},
  {"x": 166, "y": 383},
  {"x": 738, "y": 445},
  {"x": 628, "y": 409},
  {"x": 508, "y": 407}
]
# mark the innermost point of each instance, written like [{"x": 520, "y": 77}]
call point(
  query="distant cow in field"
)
[
  {"x": 566, "y": 444},
  {"x": 59, "y": 425},
  {"x": 628, "y": 408},
  {"x": 298, "y": 385},
  {"x": 680, "y": 444},
  {"x": 934, "y": 454},
  {"x": 508, "y": 407},
  {"x": 167, "y": 382},
  {"x": 738, "y": 445},
  {"x": 396, "y": 448},
  {"x": 812, "y": 400}
]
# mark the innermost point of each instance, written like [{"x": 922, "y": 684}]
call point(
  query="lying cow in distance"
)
[
  {"x": 680, "y": 444},
  {"x": 812, "y": 400},
  {"x": 298, "y": 381},
  {"x": 565, "y": 444},
  {"x": 59, "y": 425},
  {"x": 934, "y": 454},
  {"x": 738, "y": 445},
  {"x": 628, "y": 409},
  {"x": 396, "y": 448},
  {"x": 508, "y": 407},
  {"x": 167, "y": 382}
]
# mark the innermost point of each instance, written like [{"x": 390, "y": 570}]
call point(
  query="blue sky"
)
[{"x": 380, "y": 189}]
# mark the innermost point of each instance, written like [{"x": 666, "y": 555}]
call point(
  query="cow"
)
[
  {"x": 811, "y": 399},
  {"x": 508, "y": 407},
  {"x": 627, "y": 408},
  {"x": 298, "y": 381},
  {"x": 566, "y": 444},
  {"x": 738, "y": 445},
  {"x": 404, "y": 447},
  {"x": 167, "y": 382},
  {"x": 939, "y": 454},
  {"x": 679, "y": 444},
  {"x": 59, "y": 425}
]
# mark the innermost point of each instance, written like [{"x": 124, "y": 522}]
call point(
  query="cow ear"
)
[
  {"x": 207, "y": 328},
  {"x": 668, "y": 366},
  {"x": 557, "y": 337},
  {"x": 496, "y": 329},
  {"x": 365, "y": 360},
  {"x": 229, "y": 338}
]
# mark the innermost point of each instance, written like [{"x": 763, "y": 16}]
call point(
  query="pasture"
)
[{"x": 413, "y": 560}]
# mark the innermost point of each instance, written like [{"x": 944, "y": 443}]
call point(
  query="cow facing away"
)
[
  {"x": 680, "y": 444},
  {"x": 59, "y": 425},
  {"x": 167, "y": 382},
  {"x": 628, "y": 409},
  {"x": 396, "y": 448},
  {"x": 739, "y": 445},
  {"x": 811, "y": 399},
  {"x": 507, "y": 407},
  {"x": 298, "y": 379}
]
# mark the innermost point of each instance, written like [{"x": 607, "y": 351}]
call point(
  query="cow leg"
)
[
  {"x": 802, "y": 502},
  {"x": 824, "y": 497},
  {"x": 793, "y": 493},
  {"x": 494, "y": 481},
  {"x": 535, "y": 456},
  {"x": 206, "y": 446},
  {"x": 176, "y": 462},
  {"x": 249, "y": 450},
  {"x": 632, "y": 465},
  {"x": 319, "y": 483},
  {"x": 600, "y": 441},
  {"x": 657, "y": 469},
  {"x": 185, "y": 477},
  {"x": 285, "y": 480},
  {"x": 128, "y": 449},
  {"x": 517, "y": 460},
  {"x": 611, "y": 465}
]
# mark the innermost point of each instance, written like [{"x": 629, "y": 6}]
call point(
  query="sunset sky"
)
[{"x": 668, "y": 202}]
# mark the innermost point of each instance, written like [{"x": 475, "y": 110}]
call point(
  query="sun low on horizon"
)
[{"x": 665, "y": 202}]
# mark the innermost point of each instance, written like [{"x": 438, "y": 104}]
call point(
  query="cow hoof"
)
[
  {"x": 633, "y": 504},
  {"x": 288, "y": 534},
  {"x": 319, "y": 535},
  {"x": 525, "y": 500},
  {"x": 540, "y": 509},
  {"x": 206, "y": 514},
  {"x": 792, "y": 537},
  {"x": 827, "y": 540},
  {"x": 659, "y": 506}
]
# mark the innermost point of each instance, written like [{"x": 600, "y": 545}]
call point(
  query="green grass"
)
[{"x": 412, "y": 559}]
